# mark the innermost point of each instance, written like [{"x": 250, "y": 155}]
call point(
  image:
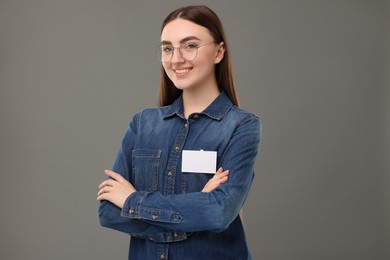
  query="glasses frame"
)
[{"x": 159, "y": 50}]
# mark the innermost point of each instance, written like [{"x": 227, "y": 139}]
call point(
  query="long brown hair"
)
[{"x": 205, "y": 17}]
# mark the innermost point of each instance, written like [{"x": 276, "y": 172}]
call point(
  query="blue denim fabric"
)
[{"x": 168, "y": 217}]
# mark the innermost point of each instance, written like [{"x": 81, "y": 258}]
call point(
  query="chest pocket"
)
[{"x": 145, "y": 169}]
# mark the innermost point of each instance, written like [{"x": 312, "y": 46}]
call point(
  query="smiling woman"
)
[
  {"x": 197, "y": 76},
  {"x": 172, "y": 207}
]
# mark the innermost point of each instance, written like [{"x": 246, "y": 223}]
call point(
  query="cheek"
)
[
  {"x": 166, "y": 67},
  {"x": 205, "y": 65},
  {"x": 168, "y": 70},
  {"x": 206, "y": 60}
]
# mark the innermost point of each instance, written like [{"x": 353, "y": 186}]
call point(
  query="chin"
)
[{"x": 182, "y": 85}]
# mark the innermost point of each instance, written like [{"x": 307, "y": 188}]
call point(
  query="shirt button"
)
[
  {"x": 185, "y": 125},
  {"x": 131, "y": 211},
  {"x": 162, "y": 256},
  {"x": 175, "y": 233},
  {"x": 154, "y": 216},
  {"x": 177, "y": 148},
  {"x": 170, "y": 174}
]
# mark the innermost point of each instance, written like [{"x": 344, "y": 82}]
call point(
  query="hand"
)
[
  {"x": 219, "y": 178},
  {"x": 115, "y": 190}
]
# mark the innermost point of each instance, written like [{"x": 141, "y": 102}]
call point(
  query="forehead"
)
[{"x": 179, "y": 29}]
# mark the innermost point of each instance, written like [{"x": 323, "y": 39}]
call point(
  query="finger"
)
[
  {"x": 105, "y": 193},
  {"x": 102, "y": 196},
  {"x": 217, "y": 183},
  {"x": 220, "y": 175},
  {"x": 223, "y": 174},
  {"x": 220, "y": 178},
  {"x": 219, "y": 171},
  {"x": 114, "y": 175},
  {"x": 108, "y": 182},
  {"x": 101, "y": 191},
  {"x": 223, "y": 180},
  {"x": 105, "y": 189}
]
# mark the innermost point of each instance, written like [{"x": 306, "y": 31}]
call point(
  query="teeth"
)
[{"x": 182, "y": 71}]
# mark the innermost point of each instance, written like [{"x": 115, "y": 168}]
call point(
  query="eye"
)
[
  {"x": 190, "y": 46},
  {"x": 167, "y": 49}
]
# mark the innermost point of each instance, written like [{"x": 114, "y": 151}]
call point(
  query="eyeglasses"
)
[{"x": 188, "y": 51}]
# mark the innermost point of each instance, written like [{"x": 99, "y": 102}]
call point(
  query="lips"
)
[{"x": 181, "y": 71}]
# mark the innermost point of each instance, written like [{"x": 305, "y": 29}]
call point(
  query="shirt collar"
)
[{"x": 216, "y": 110}]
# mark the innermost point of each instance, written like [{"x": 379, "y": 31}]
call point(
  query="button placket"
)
[
  {"x": 163, "y": 251},
  {"x": 174, "y": 156}
]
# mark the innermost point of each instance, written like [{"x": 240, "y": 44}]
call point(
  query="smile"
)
[{"x": 181, "y": 71}]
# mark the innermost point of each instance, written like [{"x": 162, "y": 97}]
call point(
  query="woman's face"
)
[{"x": 196, "y": 73}]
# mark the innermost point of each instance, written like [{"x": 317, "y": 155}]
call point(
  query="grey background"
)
[{"x": 317, "y": 72}]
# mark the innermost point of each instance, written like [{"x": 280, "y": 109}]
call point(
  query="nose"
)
[{"x": 177, "y": 56}]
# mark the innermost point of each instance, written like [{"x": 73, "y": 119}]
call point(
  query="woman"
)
[{"x": 160, "y": 190}]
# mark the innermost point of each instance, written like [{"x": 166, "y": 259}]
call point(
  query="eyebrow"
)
[{"x": 182, "y": 40}]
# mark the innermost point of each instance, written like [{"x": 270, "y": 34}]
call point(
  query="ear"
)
[{"x": 220, "y": 53}]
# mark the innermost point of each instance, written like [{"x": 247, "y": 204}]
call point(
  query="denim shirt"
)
[{"x": 168, "y": 217}]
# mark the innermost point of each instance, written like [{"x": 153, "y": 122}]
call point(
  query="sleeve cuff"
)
[{"x": 134, "y": 209}]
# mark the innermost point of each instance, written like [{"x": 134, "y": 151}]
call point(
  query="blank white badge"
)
[{"x": 199, "y": 161}]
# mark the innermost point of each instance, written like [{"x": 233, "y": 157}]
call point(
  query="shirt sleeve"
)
[
  {"x": 198, "y": 211},
  {"x": 111, "y": 216}
]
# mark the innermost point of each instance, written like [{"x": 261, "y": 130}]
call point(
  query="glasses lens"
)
[
  {"x": 189, "y": 54},
  {"x": 165, "y": 54},
  {"x": 161, "y": 55}
]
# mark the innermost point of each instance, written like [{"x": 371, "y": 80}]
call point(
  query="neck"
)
[{"x": 197, "y": 100}]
